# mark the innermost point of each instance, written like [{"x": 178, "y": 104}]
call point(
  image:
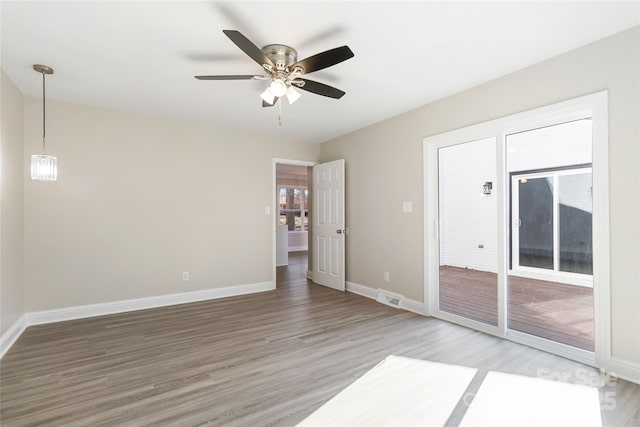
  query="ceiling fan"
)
[{"x": 284, "y": 70}]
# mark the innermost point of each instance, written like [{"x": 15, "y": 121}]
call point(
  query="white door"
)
[{"x": 328, "y": 231}]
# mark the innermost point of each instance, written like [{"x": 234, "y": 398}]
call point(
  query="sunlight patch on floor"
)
[
  {"x": 407, "y": 392},
  {"x": 397, "y": 391},
  {"x": 510, "y": 400}
]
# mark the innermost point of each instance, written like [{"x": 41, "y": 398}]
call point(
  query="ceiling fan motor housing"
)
[{"x": 281, "y": 55}]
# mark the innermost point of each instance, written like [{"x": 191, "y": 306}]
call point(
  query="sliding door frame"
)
[{"x": 592, "y": 106}]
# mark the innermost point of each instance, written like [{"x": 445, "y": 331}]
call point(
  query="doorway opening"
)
[{"x": 292, "y": 202}]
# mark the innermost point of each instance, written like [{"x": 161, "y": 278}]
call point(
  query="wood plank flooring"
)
[
  {"x": 262, "y": 359},
  {"x": 556, "y": 311}
]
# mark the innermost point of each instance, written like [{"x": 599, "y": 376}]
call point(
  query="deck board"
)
[{"x": 556, "y": 311}]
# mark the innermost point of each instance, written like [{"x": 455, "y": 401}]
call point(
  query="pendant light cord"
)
[{"x": 44, "y": 115}]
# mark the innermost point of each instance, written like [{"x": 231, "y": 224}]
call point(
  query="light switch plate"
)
[{"x": 407, "y": 207}]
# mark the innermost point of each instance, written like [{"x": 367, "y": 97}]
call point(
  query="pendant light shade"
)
[{"x": 43, "y": 166}]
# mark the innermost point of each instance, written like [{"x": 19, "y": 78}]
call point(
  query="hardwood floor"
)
[
  {"x": 261, "y": 359},
  {"x": 556, "y": 311}
]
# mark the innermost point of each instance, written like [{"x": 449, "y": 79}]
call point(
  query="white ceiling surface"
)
[{"x": 142, "y": 56}]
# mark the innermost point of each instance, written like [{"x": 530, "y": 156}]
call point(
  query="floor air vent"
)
[{"x": 389, "y": 298}]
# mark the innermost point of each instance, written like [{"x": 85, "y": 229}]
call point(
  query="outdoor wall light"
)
[{"x": 486, "y": 188}]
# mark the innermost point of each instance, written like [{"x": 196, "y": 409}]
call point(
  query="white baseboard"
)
[
  {"x": 298, "y": 248},
  {"x": 11, "y": 335},
  {"x": 361, "y": 290},
  {"x": 625, "y": 369},
  {"x": 309, "y": 274},
  {"x": 92, "y": 310},
  {"x": 365, "y": 291}
]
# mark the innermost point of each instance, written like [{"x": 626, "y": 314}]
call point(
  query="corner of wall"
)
[{"x": 11, "y": 211}]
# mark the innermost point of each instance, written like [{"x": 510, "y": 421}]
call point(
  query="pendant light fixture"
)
[{"x": 43, "y": 166}]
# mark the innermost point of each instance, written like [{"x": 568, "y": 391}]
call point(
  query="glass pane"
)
[
  {"x": 468, "y": 284},
  {"x": 292, "y": 202},
  {"x": 536, "y": 222},
  {"x": 297, "y": 193},
  {"x": 576, "y": 250},
  {"x": 282, "y": 204},
  {"x": 544, "y": 300},
  {"x": 289, "y": 212}
]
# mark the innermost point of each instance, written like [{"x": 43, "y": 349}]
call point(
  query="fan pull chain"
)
[{"x": 280, "y": 112}]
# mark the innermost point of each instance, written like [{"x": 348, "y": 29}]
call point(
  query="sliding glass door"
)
[
  {"x": 550, "y": 282},
  {"x": 516, "y": 237}
]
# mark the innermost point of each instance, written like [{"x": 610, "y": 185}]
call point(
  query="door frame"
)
[
  {"x": 595, "y": 106},
  {"x": 274, "y": 206}
]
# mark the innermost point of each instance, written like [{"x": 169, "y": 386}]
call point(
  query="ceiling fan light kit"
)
[
  {"x": 284, "y": 70},
  {"x": 278, "y": 87}
]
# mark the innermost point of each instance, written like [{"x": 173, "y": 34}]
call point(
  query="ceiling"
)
[{"x": 142, "y": 56}]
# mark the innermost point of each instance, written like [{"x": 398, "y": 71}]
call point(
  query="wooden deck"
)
[{"x": 556, "y": 311}]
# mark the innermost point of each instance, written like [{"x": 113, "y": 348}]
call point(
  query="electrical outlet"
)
[
  {"x": 185, "y": 276},
  {"x": 386, "y": 276}
]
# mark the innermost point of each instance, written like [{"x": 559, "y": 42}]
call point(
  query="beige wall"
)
[
  {"x": 384, "y": 168},
  {"x": 139, "y": 200},
  {"x": 11, "y": 207}
]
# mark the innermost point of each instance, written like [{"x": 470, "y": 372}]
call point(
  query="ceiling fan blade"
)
[
  {"x": 320, "y": 88},
  {"x": 324, "y": 59},
  {"x": 266, "y": 104},
  {"x": 238, "y": 77},
  {"x": 248, "y": 47}
]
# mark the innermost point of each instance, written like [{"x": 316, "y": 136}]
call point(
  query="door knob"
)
[{"x": 340, "y": 231}]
